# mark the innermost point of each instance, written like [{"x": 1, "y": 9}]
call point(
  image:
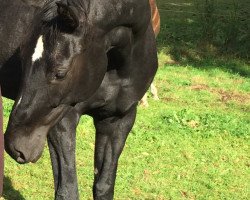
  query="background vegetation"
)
[
  {"x": 194, "y": 142},
  {"x": 199, "y": 29}
]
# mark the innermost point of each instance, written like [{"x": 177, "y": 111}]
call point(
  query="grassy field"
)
[
  {"x": 193, "y": 30},
  {"x": 194, "y": 143}
]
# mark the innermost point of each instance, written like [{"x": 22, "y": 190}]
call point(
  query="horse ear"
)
[{"x": 67, "y": 16}]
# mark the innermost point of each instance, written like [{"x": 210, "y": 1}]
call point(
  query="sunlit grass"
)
[{"x": 193, "y": 143}]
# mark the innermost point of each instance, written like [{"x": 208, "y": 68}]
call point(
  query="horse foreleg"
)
[
  {"x": 111, "y": 134},
  {"x": 144, "y": 100},
  {"x": 61, "y": 142},
  {"x": 154, "y": 91}
]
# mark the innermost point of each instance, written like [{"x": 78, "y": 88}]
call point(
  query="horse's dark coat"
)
[
  {"x": 99, "y": 59},
  {"x": 15, "y": 17}
]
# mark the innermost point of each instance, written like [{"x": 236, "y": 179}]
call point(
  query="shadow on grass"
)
[
  {"x": 189, "y": 39},
  {"x": 9, "y": 193},
  {"x": 228, "y": 64}
]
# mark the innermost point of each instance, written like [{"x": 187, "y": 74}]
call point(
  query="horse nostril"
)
[{"x": 20, "y": 158}]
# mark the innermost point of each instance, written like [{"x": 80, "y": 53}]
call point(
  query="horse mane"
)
[
  {"x": 49, "y": 10},
  {"x": 46, "y": 20},
  {"x": 49, "y": 15}
]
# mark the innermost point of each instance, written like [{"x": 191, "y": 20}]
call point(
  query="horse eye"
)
[{"x": 60, "y": 75}]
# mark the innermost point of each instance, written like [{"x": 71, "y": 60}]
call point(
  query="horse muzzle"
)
[{"x": 25, "y": 148}]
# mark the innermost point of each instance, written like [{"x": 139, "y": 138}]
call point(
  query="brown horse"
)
[{"x": 155, "y": 19}]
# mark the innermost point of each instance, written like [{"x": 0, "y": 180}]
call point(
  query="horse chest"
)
[{"x": 112, "y": 97}]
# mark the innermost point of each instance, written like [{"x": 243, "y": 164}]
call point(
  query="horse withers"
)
[{"x": 82, "y": 57}]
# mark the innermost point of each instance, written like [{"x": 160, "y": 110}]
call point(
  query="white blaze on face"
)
[
  {"x": 38, "y": 50},
  {"x": 19, "y": 101}
]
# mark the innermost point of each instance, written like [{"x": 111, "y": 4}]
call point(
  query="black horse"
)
[{"x": 82, "y": 57}]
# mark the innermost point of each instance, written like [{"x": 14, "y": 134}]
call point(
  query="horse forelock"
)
[
  {"x": 49, "y": 10},
  {"x": 45, "y": 28}
]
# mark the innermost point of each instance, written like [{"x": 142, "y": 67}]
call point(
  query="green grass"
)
[
  {"x": 192, "y": 30},
  {"x": 192, "y": 144}
]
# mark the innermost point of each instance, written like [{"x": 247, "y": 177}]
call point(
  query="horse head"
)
[{"x": 64, "y": 61}]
